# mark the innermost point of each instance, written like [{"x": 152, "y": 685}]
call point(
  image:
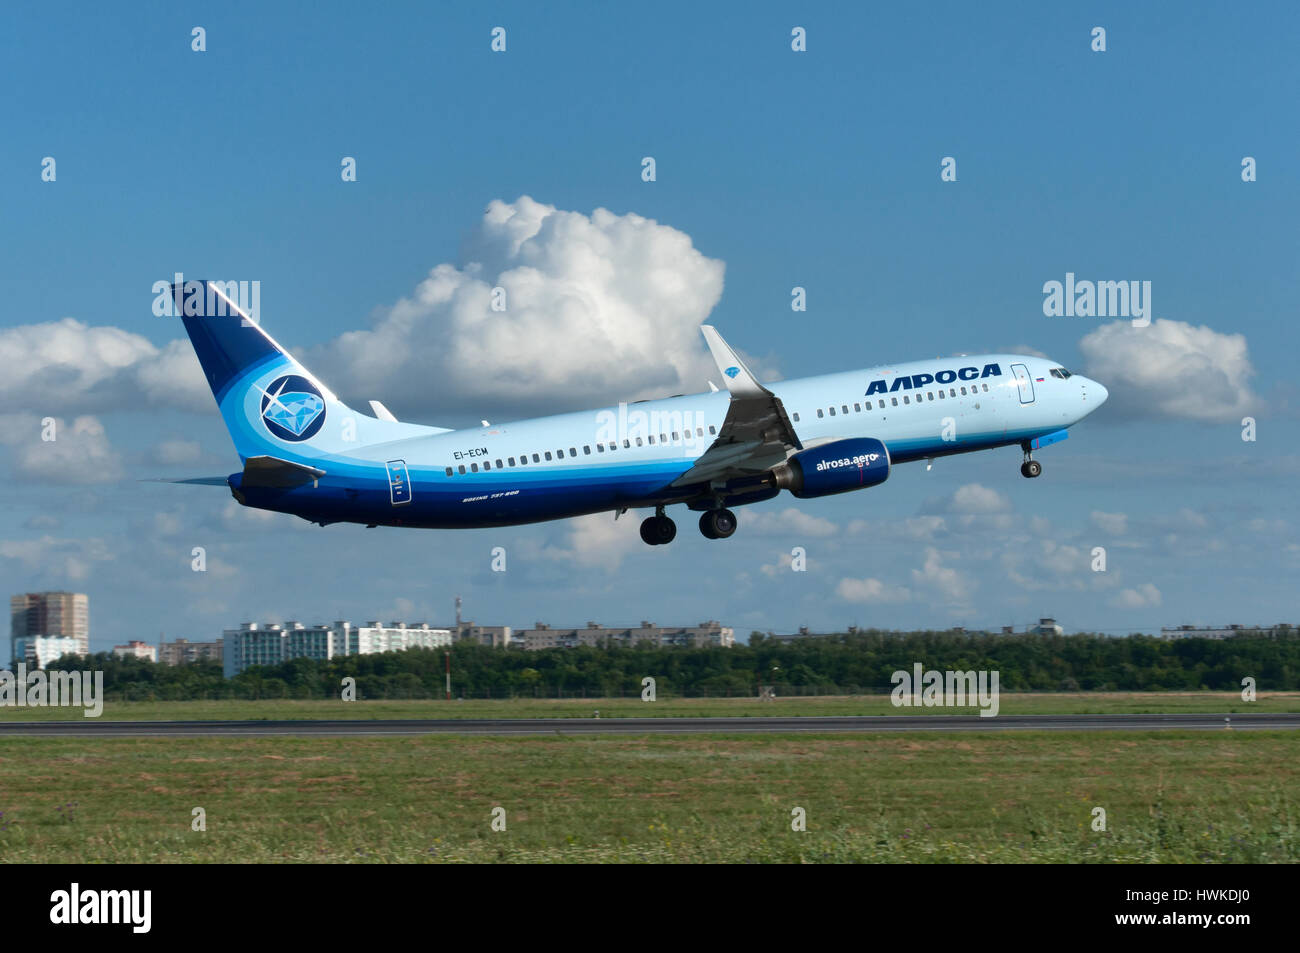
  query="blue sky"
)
[{"x": 818, "y": 169}]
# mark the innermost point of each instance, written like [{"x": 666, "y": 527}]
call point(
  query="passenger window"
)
[
  {"x": 819, "y": 412},
  {"x": 882, "y": 403},
  {"x": 627, "y": 444},
  {"x": 487, "y": 464},
  {"x": 906, "y": 400},
  {"x": 449, "y": 471},
  {"x": 832, "y": 411},
  {"x": 893, "y": 401},
  {"x": 712, "y": 429},
  {"x": 650, "y": 439},
  {"x": 600, "y": 448},
  {"x": 796, "y": 416},
  {"x": 461, "y": 468},
  {"x": 499, "y": 466},
  {"x": 663, "y": 438},
  {"x": 473, "y": 468},
  {"x": 674, "y": 436},
  {"x": 986, "y": 388},
  {"x": 857, "y": 408},
  {"x": 963, "y": 392},
  {"x": 548, "y": 454},
  {"x": 573, "y": 451},
  {"x": 941, "y": 395},
  {"x": 929, "y": 395},
  {"x": 511, "y": 461},
  {"x": 845, "y": 408},
  {"x": 586, "y": 450},
  {"x": 523, "y": 461},
  {"x": 537, "y": 460},
  {"x": 638, "y": 442},
  {"x": 699, "y": 431},
  {"x": 952, "y": 392}
]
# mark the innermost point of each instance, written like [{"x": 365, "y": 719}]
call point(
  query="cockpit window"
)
[{"x": 1062, "y": 373}]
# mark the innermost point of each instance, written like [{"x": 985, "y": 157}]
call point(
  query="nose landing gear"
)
[{"x": 1031, "y": 467}]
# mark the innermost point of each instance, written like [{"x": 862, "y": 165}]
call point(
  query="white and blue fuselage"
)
[{"x": 307, "y": 453}]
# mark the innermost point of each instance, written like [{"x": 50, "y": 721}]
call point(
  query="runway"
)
[{"x": 864, "y": 724}]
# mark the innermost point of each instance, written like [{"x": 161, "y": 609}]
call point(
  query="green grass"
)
[
  {"x": 1011, "y": 704},
  {"x": 1187, "y": 797}
]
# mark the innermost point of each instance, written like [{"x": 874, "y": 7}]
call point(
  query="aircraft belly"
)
[{"x": 452, "y": 504}]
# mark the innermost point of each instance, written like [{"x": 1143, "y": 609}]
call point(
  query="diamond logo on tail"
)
[
  {"x": 292, "y": 408},
  {"x": 732, "y": 371}
]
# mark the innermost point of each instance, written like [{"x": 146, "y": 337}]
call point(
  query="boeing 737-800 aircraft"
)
[{"x": 306, "y": 453}]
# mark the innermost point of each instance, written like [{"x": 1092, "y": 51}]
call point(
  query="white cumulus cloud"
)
[
  {"x": 1145, "y": 596},
  {"x": 67, "y": 366},
  {"x": 1172, "y": 369},
  {"x": 52, "y": 450},
  {"x": 597, "y": 307},
  {"x": 871, "y": 591}
]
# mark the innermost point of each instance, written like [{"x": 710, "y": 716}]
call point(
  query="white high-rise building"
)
[{"x": 50, "y": 613}]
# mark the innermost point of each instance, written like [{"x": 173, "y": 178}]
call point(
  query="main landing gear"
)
[
  {"x": 658, "y": 530},
  {"x": 717, "y": 524},
  {"x": 1031, "y": 467}
]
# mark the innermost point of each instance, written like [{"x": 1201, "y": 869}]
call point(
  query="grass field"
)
[
  {"x": 1195, "y": 797},
  {"x": 1011, "y": 704}
]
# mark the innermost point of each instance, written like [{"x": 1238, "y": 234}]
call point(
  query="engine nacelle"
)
[{"x": 834, "y": 468}]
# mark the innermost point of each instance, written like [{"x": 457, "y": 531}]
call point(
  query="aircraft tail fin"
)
[{"x": 272, "y": 405}]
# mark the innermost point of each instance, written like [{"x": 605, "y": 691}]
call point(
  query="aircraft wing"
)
[{"x": 756, "y": 434}]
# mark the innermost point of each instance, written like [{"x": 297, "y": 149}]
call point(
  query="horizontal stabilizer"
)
[
  {"x": 197, "y": 481},
  {"x": 274, "y": 472}
]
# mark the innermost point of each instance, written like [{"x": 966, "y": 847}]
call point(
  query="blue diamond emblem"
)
[
  {"x": 732, "y": 371},
  {"x": 294, "y": 411}
]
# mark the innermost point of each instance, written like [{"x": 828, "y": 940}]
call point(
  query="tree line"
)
[{"x": 857, "y": 663}]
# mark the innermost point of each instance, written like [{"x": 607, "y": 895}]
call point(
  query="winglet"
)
[{"x": 740, "y": 381}]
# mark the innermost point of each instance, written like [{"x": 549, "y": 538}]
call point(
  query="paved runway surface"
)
[{"x": 89, "y": 727}]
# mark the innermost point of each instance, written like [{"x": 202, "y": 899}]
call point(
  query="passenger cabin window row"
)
[
  {"x": 545, "y": 455},
  {"x": 823, "y": 412}
]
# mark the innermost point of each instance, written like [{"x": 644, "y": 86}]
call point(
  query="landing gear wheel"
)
[
  {"x": 658, "y": 530},
  {"x": 717, "y": 524},
  {"x": 1031, "y": 468}
]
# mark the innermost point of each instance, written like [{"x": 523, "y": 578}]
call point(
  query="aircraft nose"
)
[{"x": 1095, "y": 391}]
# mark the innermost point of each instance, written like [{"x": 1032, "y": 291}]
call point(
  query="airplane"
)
[{"x": 306, "y": 453}]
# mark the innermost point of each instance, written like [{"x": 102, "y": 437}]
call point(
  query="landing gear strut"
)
[
  {"x": 717, "y": 524},
  {"x": 658, "y": 530},
  {"x": 1031, "y": 467}
]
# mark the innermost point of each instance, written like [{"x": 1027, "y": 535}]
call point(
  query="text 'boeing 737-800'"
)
[{"x": 306, "y": 453}]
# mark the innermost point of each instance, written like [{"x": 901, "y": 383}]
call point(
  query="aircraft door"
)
[
  {"x": 399, "y": 482},
  {"x": 1024, "y": 382}
]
